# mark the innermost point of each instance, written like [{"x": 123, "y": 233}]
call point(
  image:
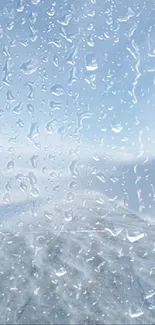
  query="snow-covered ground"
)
[{"x": 86, "y": 260}]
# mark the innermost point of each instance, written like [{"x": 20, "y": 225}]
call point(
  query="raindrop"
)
[
  {"x": 48, "y": 215},
  {"x": 20, "y": 6},
  {"x": 101, "y": 177},
  {"x": 23, "y": 186},
  {"x": 6, "y": 198},
  {"x": 32, "y": 178},
  {"x": 91, "y": 64},
  {"x": 34, "y": 192},
  {"x": 57, "y": 90},
  {"x": 34, "y": 160},
  {"x": 34, "y": 131},
  {"x": 68, "y": 215},
  {"x": 56, "y": 60},
  {"x": 48, "y": 127},
  {"x": 35, "y": 2},
  {"x": 20, "y": 123},
  {"x": 17, "y": 109},
  {"x": 29, "y": 67},
  {"x": 30, "y": 109},
  {"x": 51, "y": 12},
  {"x": 10, "y": 97},
  {"x": 69, "y": 197},
  {"x": 72, "y": 184},
  {"x": 90, "y": 40},
  {"x": 10, "y": 165},
  {"x": 31, "y": 94},
  {"x": 65, "y": 20},
  {"x": 117, "y": 129},
  {"x": 73, "y": 168},
  {"x": 60, "y": 272}
]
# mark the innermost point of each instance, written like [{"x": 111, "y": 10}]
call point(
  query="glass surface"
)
[{"x": 77, "y": 166}]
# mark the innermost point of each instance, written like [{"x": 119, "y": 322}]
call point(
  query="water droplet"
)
[
  {"x": 35, "y": 2},
  {"x": 31, "y": 94},
  {"x": 20, "y": 6},
  {"x": 10, "y": 165},
  {"x": 34, "y": 160},
  {"x": 34, "y": 131},
  {"x": 91, "y": 63},
  {"x": 101, "y": 177},
  {"x": 133, "y": 239},
  {"x": 10, "y": 97},
  {"x": 30, "y": 109},
  {"x": 56, "y": 60},
  {"x": 60, "y": 272},
  {"x": 49, "y": 127},
  {"x": 34, "y": 192},
  {"x": 33, "y": 34},
  {"x": 68, "y": 215},
  {"x": 73, "y": 168},
  {"x": 29, "y": 67},
  {"x": 72, "y": 184},
  {"x": 117, "y": 129},
  {"x": 18, "y": 108},
  {"x": 90, "y": 40},
  {"x": 6, "y": 198},
  {"x": 23, "y": 186},
  {"x": 20, "y": 123},
  {"x": 55, "y": 106},
  {"x": 51, "y": 12},
  {"x": 48, "y": 215},
  {"x": 57, "y": 90},
  {"x": 32, "y": 178},
  {"x": 65, "y": 20},
  {"x": 1, "y": 112},
  {"x": 69, "y": 197},
  {"x": 129, "y": 15}
]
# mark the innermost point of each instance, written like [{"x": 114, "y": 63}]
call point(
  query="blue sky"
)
[{"x": 81, "y": 75}]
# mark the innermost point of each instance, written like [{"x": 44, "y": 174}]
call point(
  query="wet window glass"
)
[{"x": 77, "y": 184}]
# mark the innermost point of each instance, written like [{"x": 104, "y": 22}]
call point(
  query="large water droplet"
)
[
  {"x": 34, "y": 192},
  {"x": 34, "y": 160},
  {"x": 91, "y": 63},
  {"x": 57, "y": 90},
  {"x": 60, "y": 272},
  {"x": 34, "y": 131},
  {"x": 29, "y": 67}
]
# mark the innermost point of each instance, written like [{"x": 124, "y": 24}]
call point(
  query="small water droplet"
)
[
  {"x": 6, "y": 198},
  {"x": 68, "y": 215},
  {"x": 69, "y": 197},
  {"x": 10, "y": 165},
  {"x": 56, "y": 60}
]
